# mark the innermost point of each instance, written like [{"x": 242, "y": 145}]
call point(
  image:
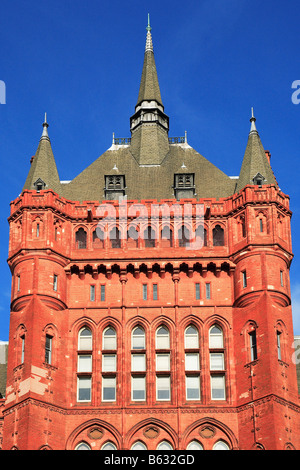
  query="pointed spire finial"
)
[
  {"x": 253, "y": 129},
  {"x": 149, "y": 45},
  {"x": 149, "y": 27},
  {"x": 45, "y": 131}
]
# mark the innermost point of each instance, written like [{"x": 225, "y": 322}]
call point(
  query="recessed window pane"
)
[
  {"x": 163, "y": 388},
  {"x": 108, "y": 388},
  {"x": 192, "y": 387},
  {"x": 162, "y": 338},
  {"x": 162, "y": 362},
  {"x": 218, "y": 387},
  {"x": 84, "y": 388},
  {"x": 109, "y": 339},
  {"x": 85, "y": 340},
  {"x": 138, "y": 362},
  {"x": 109, "y": 362},
  {"x": 138, "y": 388},
  {"x": 191, "y": 340},
  {"x": 138, "y": 338},
  {"x": 215, "y": 337},
  {"x": 192, "y": 361},
  {"x": 84, "y": 363},
  {"x": 216, "y": 361}
]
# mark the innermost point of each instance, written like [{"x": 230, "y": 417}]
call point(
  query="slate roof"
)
[{"x": 149, "y": 162}]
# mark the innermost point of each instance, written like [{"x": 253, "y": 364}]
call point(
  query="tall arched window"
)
[
  {"x": 109, "y": 364},
  {"x": 217, "y": 363},
  {"x": 84, "y": 365},
  {"x": 166, "y": 237},
  {"x": 218, "y": 236},
  {"x": 138, "y": 365},
  {"x": 80, "y": 239},
  {"x": 192, "y": 363},
  {"x": 163, "y": 364}
]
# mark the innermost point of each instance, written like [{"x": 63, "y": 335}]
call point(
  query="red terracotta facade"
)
[{"x": 235, "y": 296}]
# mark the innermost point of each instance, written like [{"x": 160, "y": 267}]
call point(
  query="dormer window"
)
[
  {"x": 114, "y": 187},
  {"x": 259, "y": 180},
  {"x": 184, "y": 186},
  {"x": 39, "y": 185}
]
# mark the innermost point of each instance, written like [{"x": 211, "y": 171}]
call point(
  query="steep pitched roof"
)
[
  {"x": 43, "y": 167},
  {"x": 255, "y": 164}
]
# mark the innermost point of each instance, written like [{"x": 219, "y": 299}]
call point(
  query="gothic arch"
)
[
  {"x": 212, "y": 424},
  {"x": 71, "y": 441},
  {"x": 128, "y": 440}
]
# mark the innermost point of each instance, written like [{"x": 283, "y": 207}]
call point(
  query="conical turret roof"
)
[
  {"x": 43, "y": 173},
  {"x": 255, "y": 168}
]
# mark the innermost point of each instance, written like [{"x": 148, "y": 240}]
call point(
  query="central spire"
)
[{"x": 149, "y": 125}]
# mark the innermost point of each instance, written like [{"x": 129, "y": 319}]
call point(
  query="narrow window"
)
[
  {"x": 218, "y": 236},
  {"x": 253, "y": 346},
  {"x": 48, "y": 349},
  {"x": 163, "y": 388},
  {"x": 145, "y": 291},
  {"x": 244, "y": 278},
  {"x": 261, "y": 225},
  {"x": 18, "y": 282},
  {"x": 218, "y": 387},
  {"x": 109, "y": 388},
  {"x": 162, "y": 338},
  {"x": 55, "y": 282},
  {"x": 102, "y": 293},
  {"x": 92, "y": 293},
  {"x": 207, "y": 291},
  {"x": 23, "y": 348},
  {"x": 138, "y": 338},
  {"x": 155, "y": 292},
  {"x": 81, "y": 238},
  {"x": 37, "y": 230},
  {"x": 281, "y": 279},
  {"x": 138, "y": 387},
  {"x": 84, "y": 388},
  {"x": 109, "y": 339},
  {"x": 192, "y": 387},
  {"x": 197, "y": 291},
  {"x": 216, "y": 338},
  {"x": 279, "y": 345}
]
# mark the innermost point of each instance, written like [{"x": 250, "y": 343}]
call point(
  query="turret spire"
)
[
  {"x": 149, "y": 44},
  {"x": 253, "y": 129},
  {"x": 45, "y": 129}
]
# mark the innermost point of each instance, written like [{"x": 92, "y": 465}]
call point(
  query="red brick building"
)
[{"x": 151, "y": 300}]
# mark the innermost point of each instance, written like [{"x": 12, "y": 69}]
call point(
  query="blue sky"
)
[{"x": 81, "y": 61}]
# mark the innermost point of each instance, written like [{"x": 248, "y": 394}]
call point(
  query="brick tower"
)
[{"x": 151, "y": 300}]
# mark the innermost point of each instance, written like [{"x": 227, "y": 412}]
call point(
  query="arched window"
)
[
  {"x": 109, "y": 364},
  {"x": 138, "y": 445},
  {"x": 85, "y": 340},
  {"x": 192, "y": 363},
  {"x": 191, "y": 337},
  {"x": 98, "y": 238},
  {"x": 164, "y": 445},
  {"x": 80, "y": 239},
  {"x": 184, "y": 236},
  {"x": 218, "y": 236},
  {"x": 109, "y": 339},
  {"x": 217, "y": 363},
  {"x": 194, "y": 445},
  {"x": 163, "y": 364},
  {"x": 162, "y": 338},
  {"x": 215, "y": 337},
  {"x": 220, "y": 445},
  {"x": 109, "y": 446},
  {"x": 115, "y": 238},
  {"x": 166, "y": 237},
  {"x": 82, "y": 446},
  {"x": 149, "y": 237},
  {"x": 132, "y": 237},
  {"x": 138, "y": 338}
]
